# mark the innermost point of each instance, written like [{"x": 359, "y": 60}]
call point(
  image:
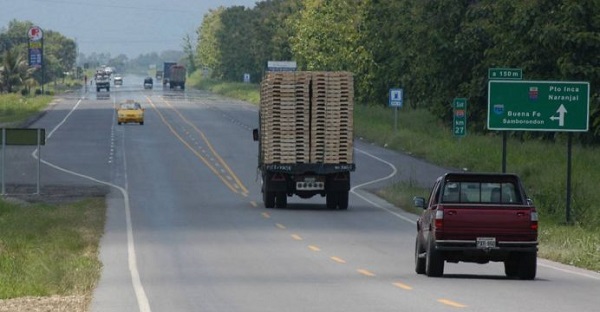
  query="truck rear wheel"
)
[
  {"x": 434, "y": 263},
  {"x": 280, "y": 200},
  {"x": 331, "y": 200},
  {"x": 511, "y": 266},
  {"x": 527, "y": 266},
  {"x": 269, "y": 199},
  {"x": 419, "y": 260},
  {"x": 343, "y": 200}
]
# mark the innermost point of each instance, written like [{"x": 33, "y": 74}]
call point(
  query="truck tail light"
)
[
  {"x": 439, "y": 219},
  {"x": 534, "y": 221}
]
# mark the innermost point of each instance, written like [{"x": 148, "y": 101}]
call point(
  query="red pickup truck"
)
[{"x": 477, "y": 217}]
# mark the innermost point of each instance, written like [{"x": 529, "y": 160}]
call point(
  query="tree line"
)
[
  {"x": 434, "y": 50},
  {"x": 60, "y": 54}
]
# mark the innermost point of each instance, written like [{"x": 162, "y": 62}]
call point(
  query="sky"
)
[{"x": 130, "y": 27}]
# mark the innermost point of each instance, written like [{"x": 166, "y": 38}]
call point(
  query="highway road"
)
[{"x": 186, "y": 229}]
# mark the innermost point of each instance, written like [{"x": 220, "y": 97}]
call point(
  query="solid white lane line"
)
[{"x": 394, "y": 171}]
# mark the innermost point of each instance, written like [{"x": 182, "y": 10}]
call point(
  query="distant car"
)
[
  {"x": 148, "y": 83},
  {"x": 130, "y": 111},
  {"x": 118, "y": 80}
]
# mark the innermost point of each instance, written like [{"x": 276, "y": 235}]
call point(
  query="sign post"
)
[
  {"x": 505, "y": 74},
  {"x": 396, "y": 101}
]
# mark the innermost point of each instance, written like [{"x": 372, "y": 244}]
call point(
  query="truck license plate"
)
[{"x": 486, "y": 242}]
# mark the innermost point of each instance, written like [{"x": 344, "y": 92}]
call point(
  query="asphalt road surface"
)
[{"x": 186, "y": 229}]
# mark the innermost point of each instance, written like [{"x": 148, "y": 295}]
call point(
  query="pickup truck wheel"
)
[
  {"x": 280, "y": 200},
  {"x": 269, "y": 199},
  {"x": 419, "y": 261},
  {"x": 343, "y": 200},
  {"x": 511, "y": 266},
  {"x": 527, "y": 266},
  {"x": 434, "y": 263},
  {"x": 331, "y": 200}
]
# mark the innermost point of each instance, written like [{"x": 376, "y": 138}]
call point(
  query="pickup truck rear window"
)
[{"x": 481, "y": 192}]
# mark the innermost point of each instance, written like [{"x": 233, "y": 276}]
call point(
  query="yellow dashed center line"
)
[
  {"x": 365, "y": 272},
  {"x": 338, "y": 260},
  {"x": 296, "y": 237},
  {"x": 314, "y": 248},
  {"x": 281, "y": 226},
  {"x": 451, "y": 303},
  {"x": 403, "y": 286},
  {"x": 266, "y": 215},
  {"x": 253, "y": 204}
]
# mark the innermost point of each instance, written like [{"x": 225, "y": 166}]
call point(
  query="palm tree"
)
[{"x": 14, "y": 70}]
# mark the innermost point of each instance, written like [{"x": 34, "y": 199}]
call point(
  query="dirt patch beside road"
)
[{"x": 52, "y": 194}]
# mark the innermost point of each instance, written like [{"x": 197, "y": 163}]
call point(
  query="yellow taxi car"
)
[{"x": 130, "y": 111}]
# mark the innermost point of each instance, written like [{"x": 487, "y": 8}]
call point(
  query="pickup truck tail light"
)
[
  {"x": 439, "y": 219},
  {"x": 534, "y": 220}
]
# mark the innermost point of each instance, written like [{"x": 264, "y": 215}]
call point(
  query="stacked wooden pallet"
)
[
  {"x": 331, "y": 118},
  {"x": 284, "y": 110},
  {"x": 306, "y": 117}
]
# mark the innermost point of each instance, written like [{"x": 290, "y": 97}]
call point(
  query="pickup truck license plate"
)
[{"x": 486, "y": 242}]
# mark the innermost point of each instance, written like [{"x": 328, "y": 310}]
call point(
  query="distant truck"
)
[
  {"x": 167, "y": 72},
  {"x": 159, "y": 75},
  {"x": 102, "y": 80},
  {"x": 477, "y": 217},
  {"x": 177, "y": 77},
  {"x": 305, "y": 136}
]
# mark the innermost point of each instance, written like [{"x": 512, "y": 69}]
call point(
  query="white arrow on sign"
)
[{"x": 561, "y": 115}]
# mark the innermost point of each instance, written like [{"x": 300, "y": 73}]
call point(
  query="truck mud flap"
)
[{"x": 274, "y": 182}]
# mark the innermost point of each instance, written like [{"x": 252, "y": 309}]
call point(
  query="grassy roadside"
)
[
  {"x": 542, "y": 166},
  {"x": 48, "y": 250},
  {"x": 16, "y": 108}
]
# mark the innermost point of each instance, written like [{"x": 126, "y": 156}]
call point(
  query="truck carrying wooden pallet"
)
[{"x": 305, "y": 136}]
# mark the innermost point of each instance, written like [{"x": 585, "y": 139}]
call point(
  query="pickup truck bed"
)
[{"x": 477, "y": 217}]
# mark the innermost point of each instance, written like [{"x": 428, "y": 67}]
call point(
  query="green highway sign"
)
[
  {"x": 505, "y": 73},
  {"x": 538, "y": 105},
  {"x": 459, "y": 117},
  {"x": 25, "y": 136}
]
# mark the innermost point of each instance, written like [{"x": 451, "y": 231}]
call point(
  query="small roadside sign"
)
[
  {"x": 505, "y": 73},
  {"x": 396, "y": 98},
  {"x": 26, "y": 136},
  {"x": 459, "y": 117},
  {"x": 282, "y": 66}
]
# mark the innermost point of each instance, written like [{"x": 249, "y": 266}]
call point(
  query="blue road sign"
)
[{"x": 396, "y": 97}]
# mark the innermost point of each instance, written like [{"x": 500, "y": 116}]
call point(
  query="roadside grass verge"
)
[
  {"x": 237, "y": 90},
  {"x": 541, "y": 165},
  {"x": 16, "y": 108},
  {"x": 50, "y": 250}
]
